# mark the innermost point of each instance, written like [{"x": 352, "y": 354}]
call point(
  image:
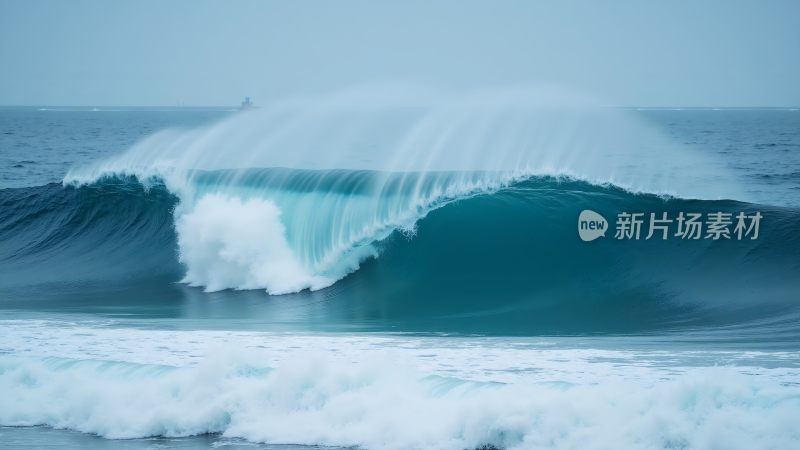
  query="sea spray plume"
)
[{"x": 344, "y": 171}]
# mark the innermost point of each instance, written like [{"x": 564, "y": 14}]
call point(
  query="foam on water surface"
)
[{"x": 392, "y": 391}]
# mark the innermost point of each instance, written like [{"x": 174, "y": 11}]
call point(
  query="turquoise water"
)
[{"x": 175, "y": 288}]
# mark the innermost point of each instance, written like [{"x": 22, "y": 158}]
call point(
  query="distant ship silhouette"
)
[{"x": 246, "y": 104}]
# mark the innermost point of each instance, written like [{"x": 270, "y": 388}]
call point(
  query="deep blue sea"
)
[{"x": 353, "y": 274}]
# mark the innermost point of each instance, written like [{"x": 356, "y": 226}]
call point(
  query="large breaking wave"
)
[
  {"x": 508, "y": 261},
  {"x": 362, "y": 164},
  {"x": 458, "y": 209}
]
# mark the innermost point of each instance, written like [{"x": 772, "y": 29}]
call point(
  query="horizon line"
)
[{"x": 234, "y": 106}]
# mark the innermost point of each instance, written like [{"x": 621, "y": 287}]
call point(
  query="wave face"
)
[
  {"x": 296, "y": 230},
  {"x": 506, "y": 260},
  {"x": 107, "y": 231}
]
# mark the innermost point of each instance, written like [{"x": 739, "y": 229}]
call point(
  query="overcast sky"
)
[{"x": 636, "y": 53}]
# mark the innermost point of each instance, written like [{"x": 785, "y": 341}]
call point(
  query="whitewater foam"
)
[
  {"x": 385, "y": 405},
  {"x": 396, "y": 392},
  {"x": 226, "y": 242}
]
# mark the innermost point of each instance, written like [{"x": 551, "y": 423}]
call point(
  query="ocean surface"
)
[{"x": 365, "y": 274}]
